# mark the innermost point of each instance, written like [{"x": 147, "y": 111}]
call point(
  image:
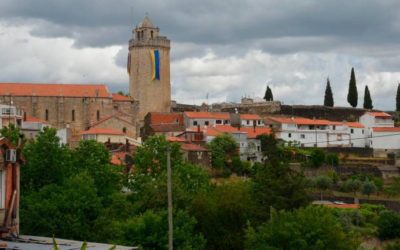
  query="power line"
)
[{"x": 354, "y": 139}]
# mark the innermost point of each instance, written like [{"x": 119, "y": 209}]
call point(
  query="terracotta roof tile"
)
[
  {"x": 354, "y": 124},
  {"x": 121, "y": 98},
  {"x": 386, "y": 129},
  {"x": 175, "y": 139},
  {"x": 67, "y": 90},
  {"x": 192, "y": 147},
  {"x": 166, "y": 118},
  {"x": 303, "y": 121},
  {"x": 208, "y": 115},
  {"x": 34, "y": 119},
  {"x": 379, "y": 114},
  {"x": 167, "y": 128}
]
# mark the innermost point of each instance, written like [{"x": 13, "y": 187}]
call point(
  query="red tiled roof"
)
[
  {"x": 102, "y": 131},
  {"x": 379, "y": 114},
  {"x": 34, "y": 119},
  {"x": 220, "y": 129},
  {"x": 120, "y": 98},
  {"x": 251, "y": 133},
  {"x": 115, "y": 160},
  {"x": 354, "y": 124},
  {"x": 54, "y": 89},
  {"x": 166, "y": 118},
  {"x": 168, "y": 128},
  {"x": 192, "y": 147},
  {"x": 175, "y": 139},
  {"x": 303, "y": 121},
  {"x": 208, "y": 115},
  {"x": 250, "y": 117},
  {"x": 386, "y": 129}
]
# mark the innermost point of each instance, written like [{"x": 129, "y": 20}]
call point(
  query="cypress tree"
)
[
  {"x": 352, "y": 96},
  {"x": 398, "y": 98},
  {"x": 268, "y": 95},
  {"x": 367, "y": 99},
  {"x": 328, "y": 100}
]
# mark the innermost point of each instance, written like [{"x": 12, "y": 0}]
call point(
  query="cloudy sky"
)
[{"x": 227, "y": 49}]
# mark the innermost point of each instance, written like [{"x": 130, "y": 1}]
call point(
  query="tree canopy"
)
[
  {"x": 328, "y": 99},
  {"x": 367, "y": 99},
  {"x": 352, "y": 96},
  {"x": 268, "y": 94}
]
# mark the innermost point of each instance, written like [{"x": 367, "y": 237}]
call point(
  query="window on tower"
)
[
  {"x": 151, "y": 34},
  {"x": 46, "y": 117},
  {"x": 98, "y": 115}
]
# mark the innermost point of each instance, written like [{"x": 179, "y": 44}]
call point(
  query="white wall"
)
[{"x": 385, "y": 140}]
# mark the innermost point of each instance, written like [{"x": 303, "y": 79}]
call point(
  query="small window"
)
[
  {"x": 218, "y": 122},
  {"x": 248, "y": 122},
  {"x": 258, "y": 148},
  {"x": 73, "y": 115},
  {"x": 151, "y": 34},
  {"x": 226, "y": 122},
  {"x": 302, "y": 136},
  {"x": 290, "y": 135},
  {"x": 206, "y": 123},
  {"x": 46, "y": 117},
  {"x": 98, "y": 115},
  {"x": 194, "y": 123},
  {"x": 124, "y": 130},
  {"x": 362, "y": 131},
  {"x": 352, "y": 131},
  {"x": 334, "y": 127}
]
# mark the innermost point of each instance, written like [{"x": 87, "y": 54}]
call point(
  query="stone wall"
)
[
  {"x": 322, "y": 112},
  {"x": 262, "y": 108}
]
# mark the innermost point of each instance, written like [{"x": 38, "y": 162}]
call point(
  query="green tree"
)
[
  {"x": 150, "y": 231},
  {"x": 328, "y": 100},
  {"x": 398, "y": 98},
  {"x": 94, "y": 158},
  {"x": 223, "y": 149},
  {"x": 388, "y": 225},
  {"x": 12, "y": 133},
  {"x": 352, "y": 185},
  {"x": 223, "y": 213},
  {"x": 352, "y": 96},
  {"x": 47, "y": 162},
  {"x": 68, "y": 210},
  {"x": 313, "y": 227},
  {"x": 323, "y": 183},
  {"x": 317, "y": 157},
  {"x": 368, "y": 187},
  {"x": 279, "y": 186},
  {"x": 268, "y": 94},
  {"x": 367, "y": 99}
]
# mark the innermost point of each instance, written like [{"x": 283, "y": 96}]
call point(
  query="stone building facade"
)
[
  {"x": 73, "y": 106},
  {"x": 152, "y": 95}
]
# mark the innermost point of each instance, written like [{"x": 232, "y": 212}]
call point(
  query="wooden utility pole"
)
[{"x": 169, "y": 187}]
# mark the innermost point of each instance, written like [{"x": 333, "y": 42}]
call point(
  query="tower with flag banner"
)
[{"x": 149, "y": 69}]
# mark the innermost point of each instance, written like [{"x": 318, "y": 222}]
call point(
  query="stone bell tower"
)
[{"x": 149, "y": 70}]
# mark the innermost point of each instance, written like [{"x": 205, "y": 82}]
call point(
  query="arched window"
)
[
  {"x": 98, "y": 115},
  {"x": 73, "y": 115},
  {"x": 46, "y": 117}
]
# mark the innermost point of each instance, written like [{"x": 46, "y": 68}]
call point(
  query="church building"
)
[{"x": 80, "y": 107}]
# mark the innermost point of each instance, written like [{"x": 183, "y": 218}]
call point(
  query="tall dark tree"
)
[
  {"x": 268, "y": 94},
  {"x": 398, "y": 98},
  {"x": 352, "y": 96},
  {"x": 367, "y": 99},
  {"x": 328, "y": 100}
]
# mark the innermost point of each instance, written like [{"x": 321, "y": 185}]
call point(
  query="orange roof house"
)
[{"x": 54, "y": 89}]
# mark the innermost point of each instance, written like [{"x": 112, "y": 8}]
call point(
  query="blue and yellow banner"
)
[{"x": 155, "y": 62}]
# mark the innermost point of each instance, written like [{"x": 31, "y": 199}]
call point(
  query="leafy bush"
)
[
  {"x": 389, "y": 225},
  {"x": 332, "y": 159},
  {"x": 317, "y": 157}
]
